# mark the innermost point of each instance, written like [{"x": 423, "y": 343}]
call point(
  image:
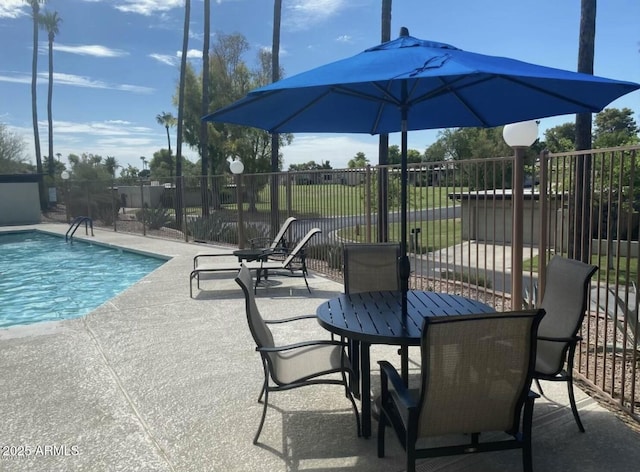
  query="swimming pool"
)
[{"x": 43, "y": 278}]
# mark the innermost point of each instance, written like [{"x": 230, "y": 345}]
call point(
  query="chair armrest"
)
[
  {"x": 533, "y": 395},
  {"x": 388, "y": 374},
  {"x": 559, "y": 340},
  {"x": 294, "y": 318},
  {"x": 289, "y": 347}
]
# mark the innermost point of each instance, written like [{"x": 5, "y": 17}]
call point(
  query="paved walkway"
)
[{"x": 155, "y": 381}]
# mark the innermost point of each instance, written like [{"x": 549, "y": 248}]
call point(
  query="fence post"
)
[
  {"x": 289, "y": 194},
  {"x": 544, "y": 224},
  {"x": 367, "y": 203},
  {"x": 184, "y": 210},
  {"x": 144, "y": 213}
]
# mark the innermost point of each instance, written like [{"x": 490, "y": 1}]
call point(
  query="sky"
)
[{"x": 116, "y": 62}]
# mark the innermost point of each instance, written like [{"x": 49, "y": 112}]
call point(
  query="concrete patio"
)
[{"x": 155, "y": 381}]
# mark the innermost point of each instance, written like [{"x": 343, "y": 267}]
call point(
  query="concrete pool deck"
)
[{"x": 155, "y": 381}]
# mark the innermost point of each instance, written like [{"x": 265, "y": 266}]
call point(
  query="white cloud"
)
[
  {"x": 87, "y": 82},
  {"x": 13, "y": 8},
  {"x": 345, "y": 38},
  {"x": 60, "y": 78},
  {"x": 148, "y": 7},
  {"x": 89, "y": 50},
  {"x": 165, "y": 59},
  {"x": 302, "y": 14}
]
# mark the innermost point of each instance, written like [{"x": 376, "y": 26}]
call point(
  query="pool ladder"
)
[{"x": 77, "y": 221}]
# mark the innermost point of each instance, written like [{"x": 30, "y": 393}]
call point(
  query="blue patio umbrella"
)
[{"x": 412, "y": 84}]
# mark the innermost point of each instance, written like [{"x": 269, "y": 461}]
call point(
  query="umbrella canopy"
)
[
  {"x": 411, "y": 84},
  {"x": 435, "y": 84}
]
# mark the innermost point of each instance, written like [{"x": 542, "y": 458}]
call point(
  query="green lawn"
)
[
  {"x": 345, "y": 200},
  {"x": 623, "y": 277},
  {"x": 434, "y": 235}
]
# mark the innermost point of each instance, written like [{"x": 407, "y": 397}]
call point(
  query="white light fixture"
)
[
  {"x": 64, "y": 175},
  {"x": 237, "y": 167},
  {"x": 521, "y": 134}
]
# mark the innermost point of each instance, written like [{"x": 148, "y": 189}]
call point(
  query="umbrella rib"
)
[
  {"x": 274, "y": 129},
  {"x": 552, "y": 94}
]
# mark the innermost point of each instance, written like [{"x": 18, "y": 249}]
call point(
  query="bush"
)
[
  {"x": 216, "y": 228},
  {"x": 155, "y": 218}
]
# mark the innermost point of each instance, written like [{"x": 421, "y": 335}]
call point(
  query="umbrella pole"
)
[{"x": 404, "y": 268}]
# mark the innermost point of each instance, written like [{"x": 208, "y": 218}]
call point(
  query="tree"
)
[
  {"x": 168, "y": 121},
  {"x": 12, "y": 152},
  {"x": 204, "y": 126},
  {"x": 111, "y": 164},
  {"x": 586, "y": 49},
  {"x": 358, "y": 162},
  {"x": 561, "y": 138},
  {"x": 35, "y": 14},
  {"x": 311, "y": 165},
  {"x": 615, "y": 127},
  {"x": 50, "y": 22},
  {"x": 383, "y": 142},
  {"x": 183, "y": 71},
  {"x": 275, "y": 140}
]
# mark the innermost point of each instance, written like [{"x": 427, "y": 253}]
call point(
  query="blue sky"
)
[{"x": 117, "y": 61}]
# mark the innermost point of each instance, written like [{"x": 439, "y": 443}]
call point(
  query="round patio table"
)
[{"x": 376, "y": 318}]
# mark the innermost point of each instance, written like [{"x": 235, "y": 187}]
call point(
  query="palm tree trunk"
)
[
  {"x": 383, "y": 143},
  {"x": 275, "y": 148},
  {"x": 168, "y": 139},
  {"x": 581, "y": 221},
  {"x": 183, "y": 68},
  {"x": 49, "y": 108},
  {"x": 204, "y": 135},
  {"x": 34, "y": 105}
]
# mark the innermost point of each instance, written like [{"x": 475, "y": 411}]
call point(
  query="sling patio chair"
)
[
  {"x": 293, "y": 365},
  {"x": 476, "y": 376},
  {"x": 295, "y": 261},
  {"x": 276, "y": 245},
  {"x": 565, "y": 296},
  {"x": 368, "y": 267}
]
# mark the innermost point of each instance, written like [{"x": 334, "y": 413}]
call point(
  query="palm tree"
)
[
  {"x": 50, "y": 22},
  {"x": 35, "y": 13},
  {"x": 204, "y": 138},
  {"x": 183, "y": 70},
  {"x": 111, "y": 164},
  {"x": 275, "y": 76},
  {"x": 586, "y": 47},
  {"x": 383, "y": 142},
  {"x": 168, "y": 121}
]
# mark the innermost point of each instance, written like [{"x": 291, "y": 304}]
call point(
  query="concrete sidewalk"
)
[{"x": 155, "y": 381}]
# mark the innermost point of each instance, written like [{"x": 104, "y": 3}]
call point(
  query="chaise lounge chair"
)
[{"x": 294, "y": 261}]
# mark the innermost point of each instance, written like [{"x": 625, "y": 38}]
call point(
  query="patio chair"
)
[
  {"x": 276, "y": 245},
  {"x": 565, "y": 301},
  {"x": 293, "y": 365},
  {"x": 475, "y": 378},
  {"x": 368, "y": 267},
  {"x": 295, "y": 261},
  {"x": 371, "y": 267}
]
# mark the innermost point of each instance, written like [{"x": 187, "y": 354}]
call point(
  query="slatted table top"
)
[{"x": 376, "y": 317}]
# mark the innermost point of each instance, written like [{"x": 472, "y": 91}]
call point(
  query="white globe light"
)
[
  {"x": 521, "y": 134},
  {"x": 64, "y": 175},
  {"x": 237, "y": 167}
]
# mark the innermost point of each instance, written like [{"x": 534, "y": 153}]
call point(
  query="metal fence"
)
[{"x": 461, "y": 227}]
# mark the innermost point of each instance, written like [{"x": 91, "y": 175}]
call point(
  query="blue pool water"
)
[{"x": 44, "y": 278}]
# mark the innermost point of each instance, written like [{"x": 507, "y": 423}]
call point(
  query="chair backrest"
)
[
  {"x": 371, "y": 267},
  {"x": 476, "y": 371},
  {"x": 564, "y": 300},
  {"x": 283, "y": 229},
  {"x": 301, "y": 244},
  {"x": 259, "y": 330}
]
